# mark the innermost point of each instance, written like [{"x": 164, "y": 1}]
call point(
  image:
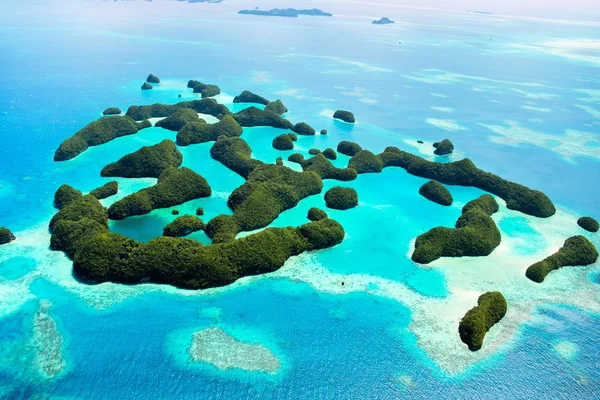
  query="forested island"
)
[{"x": 286, "y": 12}]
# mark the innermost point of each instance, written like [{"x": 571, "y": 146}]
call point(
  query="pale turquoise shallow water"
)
[{"x": 61, "y": 66}]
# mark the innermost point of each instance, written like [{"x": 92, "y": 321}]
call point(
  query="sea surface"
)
[{"x": 520, "y": 97}]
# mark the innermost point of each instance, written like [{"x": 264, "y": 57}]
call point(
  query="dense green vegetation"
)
[
  {"x": 178, "y": 119},
  {"x": 475, "y": 234},
  {"x": 175, "y": 186},
  {"x": 345, "y": 116},
  {"x": 201, "y": 132},
  {"x": 436, "y": 192},
  {"x": 330, "y": 154},
  {"x": 364, "y": 161},
  {"x": 444, "y": 147},
  {"x": 204, "y": 106},
  {"x": 112, "y": 111},
  {"x": 302, "y": 128},
  {"x": 109, "y": 189},
  {"x": 340, "y": 198},
  {"x": 147, "y": 162},
  {"x": 253, "y": 116},
  {"x": 491, "y": 308},
  {"x": 323, "y": 131},
  {"x": 588, "y": 223},
  {"x": 348, "y": 148},
  {"x": 316, "y": 214},
  {"x": 314, "y": 152},
  {"x": 152, "y": 79},
  {"x": 95, "y": 133},
  {"x": 6, "y": 236},
  {"x": 183, "y": 226},
  {"x": 87, "y": 207},
  {"x": 235, "y": 154},
  {"x": 293, "y": 136},
  {"x": 143, "y": 124},
  {"x": 206, "y": 90},
  {"x": 324, "y": 167},
  {"x": 64, "y": 195},
  {"x": 200, "y": 211},
  {"x": 277, "y": 107},
  {"x": 146, "y": 86},
  {"x": 279, "y": 161},
  {"x": 465, "y": 173},
  {"x": 248, "y": 97},
  {"x": 283, "y": 142},
  {"x": 296, "y": 158},
  {"x": 576, "y": 251}
]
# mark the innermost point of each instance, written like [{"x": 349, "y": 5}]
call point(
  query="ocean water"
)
[{"x": 519, "y": 97}]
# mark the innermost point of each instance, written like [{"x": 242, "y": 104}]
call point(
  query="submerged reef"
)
[
  {"x": 152, "y": 79},
  {"x": 178, "y": 119},
  {"x": 109, "y": 189},
  {"x": 47, "y": 343},
  {"x": 436, "y": 192},
  {"x": 576, "y": 251},
  {"x": 444, "y": 147},
  {"x": 475, "y": 234},
  {"x": 283, "y": 142},
  {"x": 490, "y": 309},
  {"x": 147, "y": 162},
  {"x": 341, "y": 198},
  {"x": 204, "y": 106},
  {"x": 201, "y": 132},
  {"x": 277, "y": 107},
  {"x": 112, "y": 111},
  {"x": 248, "y": 97},
  {"x": 302, "y": 128},
  {"x": 64, "y": 195},
  {"x": 183, "y": 226},
  {"x": 253, "y": 116},
  {"x": 174, "y": 187},
  {"x": 348, "y": 148},
  {"x": 364, "y": 162},
  {"x": 6, "y": 236},
  {"x": 287, "y": 12},
  {"x": 588, "y": 223},
  {"x": 345, "y": 116},
  {"x": 95, "y": 133},
  {"x": 383, "y": 21},
  {"x": 316, "y": 214}
]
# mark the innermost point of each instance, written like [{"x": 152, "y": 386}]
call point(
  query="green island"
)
[
  {"x": 183, "y": 226},
  {"x": 323, "y": 167},
  {"x": 248, "y": 97},
  {"x": 147, "y": 162},
  {"x": 152, "y": 79},
  {"x": 253, "y": 116},
  {"x": 444, "y": 147},
  {"x": 314, "y": 152},
  {"x": 490, "y": 309},
  {"x": 277, "y": 107},
  {"x": 348, "y": 148},
  {"x": 109, "y": 189},
  {"x": 323, "y": 132},
  {"x": 64, "y": 195},
  {"x": 279, "y": 161},
  {"x": 588, "y": 223},
  {"x": 364, "y": 162},
  {"x": 203, "y": 106},
  {"x": 330, "y": 154},
  {"x": 201, "y": 132},
  {"x": 146, "y": 86},
  {"x": 96, "y": 133},
  {"x": 293, "y": 136},
  {"x": 200, "y": 211},
  {"x": 178, "y": 119},
  {"x": 436, "y": 192},
  {"x": 235, "y": 154},
  {"x": 341, "y": 198},
  {"x": 205, "y": 90},
  {"x": 6, "y": 236},
  {"x": 283, "y": 142},
  {"x": 576, "y": 251},
  {"x": 174, "y": 187},
  {"x": 475, "y": 234},
  {"x": 112, "y": 111},
  {"x": 345, "y": 116},
  {"x": 316, "y": 214},
  {"x": 302, "y": 128}
]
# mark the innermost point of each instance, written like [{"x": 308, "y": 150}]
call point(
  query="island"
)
[
  {"x": 316, "y": 214},
  {"x": 6, "y": 236},
  {"x": 283, "y": 142},
  {"x": 277, "y": 107},
  {"x": 444, "y": 147},
  {"x": 146, "y": 86},
  {"x": 183, "y": 226},
  {"x": 436, "y": 192},
  {"x": 348, "y": 148},
  {"x": 330, "y": 154},
  {"x": 287, "y": 12},
  {"x": 341, "y": 198},
  {"x": 345, "y": 116},
  {"x": 248, "y": 97},
  {"x": 109, "y": 189},
  {"x": 200, "y": 211},
  {"x": 201, "y": 132},
  {"x": 64, "y": 195},
  {"x": 383, "y": 21},
  {"x": 174, "y": 187},
  {"x": 365, "y": 162},
  {"x": 147, "y": 162},
  {"x": 314, "y": 152},
  {"x": 253, "y": 116},
  {"x": 112, "y": 111},
  {"x": 576, "y": 251},
  {"x": 178, "y": 119},
  {"x": 588, "y": 223},
  {"x": 152, "y": 79},
  {"x": 302, "y": 128},
  {"x": 203, "y": 106},
  {"x": 323, "y": 132},
  {"x": 279, "y": 161},
  {"x": 293, "y": 136},
  {"x": 205, "y": 90},
  {"x": 475, "y": 234},
  {"x": 490, "y": 309},
  {"x": 323, "y": 167}
]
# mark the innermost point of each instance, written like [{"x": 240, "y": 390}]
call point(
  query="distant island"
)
[
  {"x": 286, "y": 12},
  {"x": 383, "y": 21}
]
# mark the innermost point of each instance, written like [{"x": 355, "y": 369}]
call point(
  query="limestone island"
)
[
  {"x": 330, "y": 154},
  {"x": 341, "y": 198},
  {"x": 383, "y": 21},
  {"x": 248, "y": 97},
  {"x": 146, "y": 86},
  {"x": 147, "y": 162},
  {"x": 64, "y": 195},
  {"x": 283, "y": 142},
  {"x": 490, "y": 309},
  {"x": 109, "y": 189},
  {"x": 365, "y": 162},
  {"x": 287, "y": 12},
  {"x": 302, "y": 128},
  {"x": 316, "y": 214},
  {"x": 323, "y": 167},
  {"x": 6, "y": 236},
  {"x": 436, "y": 192},
  {"x": 576, "y": 251},
  {"x": 277, "y": 107},
  {"x": 152, "y": 79},
  {"x": 345, "y": 116},
  {"x": 183, "y": 226},
  {"x": 348, "y": 148},
  {"x": 201, "y": 132},
  {"x": 253, "y": 116},
  {"x": 112, "y": 111},
  {"x": 314, "y": 152},
  {"x": 444, "y": 147},
  {"x": 588, "y": 223},
  {"x": 178, "y": 119}
]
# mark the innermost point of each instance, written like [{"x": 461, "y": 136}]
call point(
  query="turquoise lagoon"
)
[{"x": 519, "y": 97}]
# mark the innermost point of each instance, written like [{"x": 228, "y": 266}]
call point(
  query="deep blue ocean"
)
[{"x": 520, "y": 97}]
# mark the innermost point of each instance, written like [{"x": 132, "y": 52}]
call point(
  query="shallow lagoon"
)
[{"x": 375, "y": 336}]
